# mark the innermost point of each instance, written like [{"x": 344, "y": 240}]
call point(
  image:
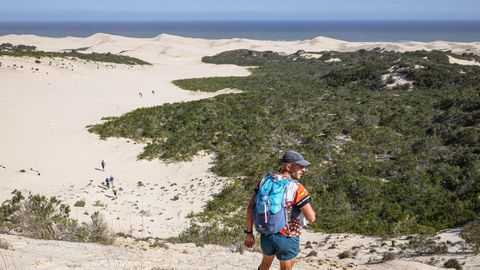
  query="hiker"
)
[
  {"x": 280, "y": 237},
  {"x": 103, "y": 163},
  {"x": 153, "y": 92},
  {"x": 140, "y": 94},
  {"x": 111, "y": 180}
]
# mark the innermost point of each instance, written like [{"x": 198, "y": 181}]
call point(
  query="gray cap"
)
[{"x": 295, "y": 157}]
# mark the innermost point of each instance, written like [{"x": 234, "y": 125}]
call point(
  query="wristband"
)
[{"x": 248, "y": 231}]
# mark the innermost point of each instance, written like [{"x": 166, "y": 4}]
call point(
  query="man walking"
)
[
  {"x": 284, "y": 244},
  {"x": 103, "y": 163}
]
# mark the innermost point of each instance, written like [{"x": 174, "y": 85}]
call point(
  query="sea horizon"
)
[{"x": 351, "y": 30}]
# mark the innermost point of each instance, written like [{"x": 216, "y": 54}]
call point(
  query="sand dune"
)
[{"x": 45, "y": 147}]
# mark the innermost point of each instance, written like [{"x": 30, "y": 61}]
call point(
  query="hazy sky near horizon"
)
[{"x": 70, "y": 10}]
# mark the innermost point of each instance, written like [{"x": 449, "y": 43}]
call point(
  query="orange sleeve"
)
[{"x": 301, "y": 194}]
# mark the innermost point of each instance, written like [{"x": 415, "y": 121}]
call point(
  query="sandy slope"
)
[
  {"x": 321, "y": 252},
  {"x": 45, "y": 107}
]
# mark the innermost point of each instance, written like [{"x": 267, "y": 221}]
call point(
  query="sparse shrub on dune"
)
[
  {"x": 453, "y": 263},
  {"x": 79, "y": 203},
  {"x": 4, "y": 244},
  {"x": 40, "y": 217},
  {"x": 99, "y": 231},
  {"x": 345, "y": 254},
  {"x": 426, "y": 244},
  {"x": 471, "y": 235}
]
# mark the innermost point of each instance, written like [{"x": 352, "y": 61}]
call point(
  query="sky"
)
[{"x": 141, "y": 10}]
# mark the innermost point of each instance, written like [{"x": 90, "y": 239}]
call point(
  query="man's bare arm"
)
[
  {"x": 248, "y": 219},
  {"x": 308, "y": 212}
]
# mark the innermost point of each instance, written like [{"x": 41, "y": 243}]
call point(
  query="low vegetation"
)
[
  {"x": 7, "y": 49},
  {"x": 426, "y": 245},
  {"x": 4, "y": 244},
  {"x": 453, "y": 263},
  {"x": 471, "y": 235},
  {"x": 385, "y": 160},
  {"x": 39, "y": 217},
  {"x": 79, "y": 203}
]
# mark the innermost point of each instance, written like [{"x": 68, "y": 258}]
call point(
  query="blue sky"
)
[{"x": 64, "y": 10}]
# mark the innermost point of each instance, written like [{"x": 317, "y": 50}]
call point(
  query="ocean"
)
[{"x": 394, "y": 31}]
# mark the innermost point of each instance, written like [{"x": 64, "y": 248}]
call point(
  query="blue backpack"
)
[{"x": 269, "y": 212}]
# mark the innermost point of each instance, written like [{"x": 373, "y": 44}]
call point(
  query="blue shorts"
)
[{"x": 284, "y": 248}]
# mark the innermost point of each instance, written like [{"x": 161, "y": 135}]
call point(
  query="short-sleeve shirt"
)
[{"x": 296, "y": 196}]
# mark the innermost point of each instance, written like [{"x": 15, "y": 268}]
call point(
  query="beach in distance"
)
[{"x": 47, "y": 105}]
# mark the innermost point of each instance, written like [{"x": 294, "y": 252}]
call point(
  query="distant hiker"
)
[
  {"x": 103, "y": 163},
  {"x": 111, "y": 180},
  {"x": 114, "y": 192},
  {"x": 278, "y": 208},
  {"x": 140, "y": 94},
  {"x": 153, "y": 92}
]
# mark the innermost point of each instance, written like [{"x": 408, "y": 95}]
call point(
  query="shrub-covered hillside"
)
[
  {"x": 393, "y": 137},
  {"x": 7, "y": 49}
]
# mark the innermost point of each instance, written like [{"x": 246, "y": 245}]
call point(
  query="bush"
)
[
  {"x": 425, "y": 244},
  {"x": 4, "y": 244},
  {"x": 42, "y": 218},
  {"x": 99, "y": 231},
  {"x": 79, "y": 203},
  {"x": 48, "y": 218},
  {"x": 98, "y": 203},
  {"x": 453, "y": 263},
  {"x": 344, "y": 255},
  {"x": 471, "y": 235}
]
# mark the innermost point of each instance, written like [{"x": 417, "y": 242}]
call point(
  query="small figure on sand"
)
[
  {"x": 153, "y": 92},
  {"x": 103, "y": 163},
  {"x": 140, "y": 94},
  {"x": 107, "y": 182},
  {"x": 111, "y": 180}
]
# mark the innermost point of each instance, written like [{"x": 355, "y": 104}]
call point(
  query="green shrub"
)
[
  {"x": 98, "y": 203},
  {"x": 99, "y": 231},
  {"x": 425, "y": 244},
  {"x": 344, "y": 255},
  {"x": 471, "y": 235},
  {"x": 453, "y": 263},
  {"x": 48, "y": 218},
  {"x": 4, "y": 244},
  {"x": 79, "y": 203}
]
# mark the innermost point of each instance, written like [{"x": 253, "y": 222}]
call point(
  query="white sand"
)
[
  {"x": 45, "y": 107},
  {"x": 454, "y": 60},
  {"x": 320, "y": 253}
]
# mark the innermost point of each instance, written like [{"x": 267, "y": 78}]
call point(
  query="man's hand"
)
[{"x": 249, "y": 240}]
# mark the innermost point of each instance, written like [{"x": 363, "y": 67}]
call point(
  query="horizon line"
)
[{"x": 250, "y": 20}]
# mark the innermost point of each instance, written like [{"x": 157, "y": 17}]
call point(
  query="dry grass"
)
[{"x": 4, "y": 244}]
